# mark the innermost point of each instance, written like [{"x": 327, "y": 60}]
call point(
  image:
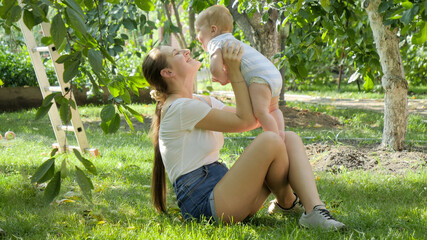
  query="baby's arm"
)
[{"x": 217, "y": 68}]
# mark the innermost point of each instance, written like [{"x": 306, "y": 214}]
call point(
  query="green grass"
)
[
  {"x": 348, "y": 91},
  {"x": 357, "y": 123},
  {"x": 373, "y": 205}
]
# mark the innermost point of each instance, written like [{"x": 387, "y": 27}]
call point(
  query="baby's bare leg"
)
[
  {"x": 278, "y": 116},
  {"x": 260, "y": 95}
]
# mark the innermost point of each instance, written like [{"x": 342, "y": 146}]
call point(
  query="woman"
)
[{"x": 187, "y": 135}]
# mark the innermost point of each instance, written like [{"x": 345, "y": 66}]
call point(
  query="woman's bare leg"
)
[
  {"x": 262, "y": 167},
  {"x": 301, "y": 175}
]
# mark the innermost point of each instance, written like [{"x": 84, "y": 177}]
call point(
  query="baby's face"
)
[{"x": 204, "y": 33}]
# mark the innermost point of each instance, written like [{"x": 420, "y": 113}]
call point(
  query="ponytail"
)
[
  {"x": 158, "y": 179},
  {"x": 153, "y": 63}
]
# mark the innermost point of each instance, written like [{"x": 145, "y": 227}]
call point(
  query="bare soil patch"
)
[
  {"x": 335, "y": 158},
  {"x": 295, "y": 117},
  {"x": 350, "y": 155}
]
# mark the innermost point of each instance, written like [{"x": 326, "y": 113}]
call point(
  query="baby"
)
[{"x": 214, "y": 26}]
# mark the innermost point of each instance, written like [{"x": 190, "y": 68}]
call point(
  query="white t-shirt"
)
[
  {"x": 253, "y": 63},
  {"x": 183, "y": 147}
]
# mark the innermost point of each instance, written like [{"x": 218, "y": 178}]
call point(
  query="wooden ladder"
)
[{"x": 55, "y": 119}]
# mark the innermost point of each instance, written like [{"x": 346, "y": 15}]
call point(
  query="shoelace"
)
[
  {"x": 326, "y": 214},
  {"x": 296, "y": 202}
]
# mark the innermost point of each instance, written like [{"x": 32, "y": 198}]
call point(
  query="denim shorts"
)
[{"x": 194, "y": 191}]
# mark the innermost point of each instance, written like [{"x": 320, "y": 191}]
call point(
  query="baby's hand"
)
[{"x": 222, "y": 82}]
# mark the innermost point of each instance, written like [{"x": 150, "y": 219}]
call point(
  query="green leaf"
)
[
  {"x": 126, "y": 96},
  {"x": 369, "y": 84},
  {"x": 53, "y": 188},
  {"x": 89, "y": 4},
  {"x": 137, "y": 115},
  {"x": 114, "y": 124},
  {"x": 48, "y": 99},
  {"x": 5, "y": 8},
  {"x": 46, "y": 41},
  {"x": 29, "y": 20},
  {"x": 14, "y": 15},
  {"x": 129, "y": 24},
  {"x": 72, "y": 103},
  {"x": 407, "y": 5},
  {"x": 1, "y": 82},
  {"x": 76, "y": 20},
  {"x": 88, "y": 164},
  {"x": 93, "y": 82},
  {"x": 421, "y": 37},
  {"x": 44, "y": 172},
  {"x": 129, "y": 122},
  {"x": 71, "y": 69},
  {"x": 95, "y": 60},
  {"x": 302, "y": 70},
  {"x": 104, "y": 127},
  {"x": 53, "y": 152},
  {"x": 85, "y": 183},
  {"x": 107, "y": 55},
  {"x": 42, "y": 111},
  {"x": 58, "y": 30},
  {"x": 145, "y": 5},
  {"x": 61, "y": 99},
  {"x": 108, "y": 112},
  {"x": 75, "y": 6},
  {"x": 65, "y": 112},
  {"x": 64, "y": 58},
  {"x": 64, "y": 169},
  {"x": 114, "y": 90}
]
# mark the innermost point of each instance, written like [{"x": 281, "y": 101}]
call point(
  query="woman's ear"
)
[{"x": 167, "y": 73}]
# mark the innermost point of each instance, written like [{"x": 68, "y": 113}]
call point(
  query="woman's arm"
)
[{"x": 243, "y": 118}]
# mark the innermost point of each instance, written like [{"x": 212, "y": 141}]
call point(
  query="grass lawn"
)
[
  {"x": 348, "y": 91},
  {"x": 373, "y": 205}
]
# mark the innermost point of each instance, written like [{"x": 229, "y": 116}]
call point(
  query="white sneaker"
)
[
  {"x": 296, "y": 207},
  {"x": 320, "y": 217}
]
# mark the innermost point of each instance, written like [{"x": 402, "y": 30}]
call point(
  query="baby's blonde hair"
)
[{"x": 216, "y": 15}]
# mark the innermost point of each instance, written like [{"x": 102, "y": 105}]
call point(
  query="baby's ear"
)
[
  {"x": 214, "y": 30},
  {"x": 167, "y": 73}
]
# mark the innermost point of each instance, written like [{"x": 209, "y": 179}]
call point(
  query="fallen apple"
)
[{"x": 9, "y": 135}]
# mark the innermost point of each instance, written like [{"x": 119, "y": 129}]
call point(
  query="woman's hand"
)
[{"x": 232, "y": 53}]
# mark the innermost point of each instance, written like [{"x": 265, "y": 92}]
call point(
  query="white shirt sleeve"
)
[
  {"x": 192, "y": 111},
  {"x": 216, "y": 103},
  {"x": 213, "y": 45}
]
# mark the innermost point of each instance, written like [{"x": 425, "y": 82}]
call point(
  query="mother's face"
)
[{"x": 179, "y": 60}]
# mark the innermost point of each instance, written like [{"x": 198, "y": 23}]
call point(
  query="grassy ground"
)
[
  {"x": 373, "y": 205},
  {"x": 348, "y": 91}
]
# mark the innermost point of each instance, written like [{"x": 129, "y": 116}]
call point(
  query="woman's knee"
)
[
  {"x": 292, "y": 136},
  {"x": 270, "y": 140}
]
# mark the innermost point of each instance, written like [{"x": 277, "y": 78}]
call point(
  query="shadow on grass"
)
[{"x": 377, "y": 202}]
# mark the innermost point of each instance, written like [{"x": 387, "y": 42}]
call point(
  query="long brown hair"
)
[{"x": 153, "y": 63}]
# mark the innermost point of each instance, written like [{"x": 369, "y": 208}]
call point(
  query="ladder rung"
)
[
  {"x": 41, "y": 49},
  {"x": 93, "y": 151},
  {"x": 68, "y": 128},
  {"x": 53, "y": 89}
]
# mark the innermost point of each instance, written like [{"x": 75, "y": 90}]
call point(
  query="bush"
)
[{"x": 16, "y": 69}]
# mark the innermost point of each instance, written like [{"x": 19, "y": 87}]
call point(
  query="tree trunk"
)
[
  {"x": 393, "y": 80},
  {"x": 262, "y": 37},
  {"x": 284, "y": 33},
  {"x": 191, "y": 22},
  {"x": 191, "y": 26}
]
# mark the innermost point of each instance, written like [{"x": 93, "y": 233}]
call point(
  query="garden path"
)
[{"x": 416, "y": 106}]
